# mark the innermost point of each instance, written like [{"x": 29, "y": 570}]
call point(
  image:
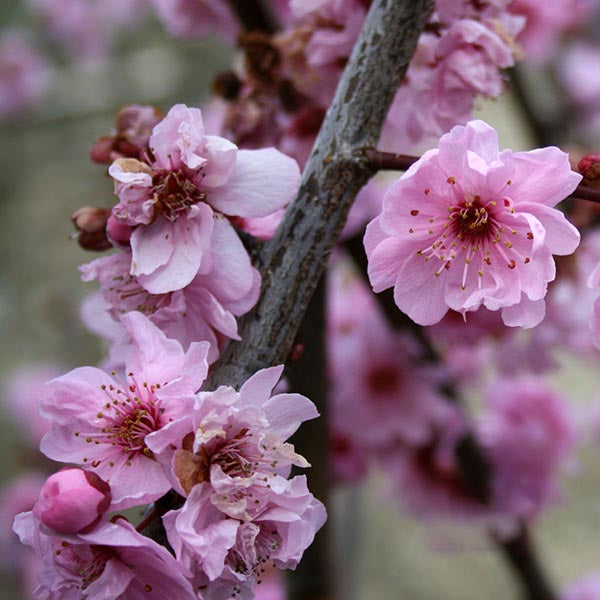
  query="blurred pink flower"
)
[
  {"x": 24, "y": 73},
  {"x": 586, "y": 589},
  {"x": 527, "y": 431},
  {"x": 467, "y": 226},
  {"x": 197, "y": 18},
  {"x": 22, "y": 393}
]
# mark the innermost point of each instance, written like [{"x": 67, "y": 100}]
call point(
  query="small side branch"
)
[{"x": 520, "y": 555}]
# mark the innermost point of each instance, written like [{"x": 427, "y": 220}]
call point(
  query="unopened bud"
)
[
  {"x": 90, "y": 223},
  {"x": 118, "y": 232},
  {"x": 72, "y": 501},
  {"x": 589, "y": 167}
]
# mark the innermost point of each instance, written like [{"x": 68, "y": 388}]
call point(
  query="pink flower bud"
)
[
  {"x": 118, "y": 232},
  {"x": 589, "y": 167},
  {"x": 72, "y": 501}
]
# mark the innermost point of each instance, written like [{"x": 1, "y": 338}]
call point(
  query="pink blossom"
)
[
  {"x": 192, "y": 181},
  {"x": 546, "y": 22},
  {"x": 102, "y": 422},
  {"x": 380, "y": 396},
  {"x": 24, "y": 73},
  {"x": 15, "y": 497},
  {"x": 85, "y": 28},
  {"x": 527, "y": 432},
  {"x": 234, "y": 443},
  {"x": 586, "y": 589},
  {"x": 228, "y": 555},
  {"x": 112, "y": 561},
  {"x": 21, "y": 395},
  {"x": 204, "y": 310},
  {"x": 446, "y": 74},
  {"x": 72, "y": 501},
  {"x": 468, "y": 226},
  {"x": 197, "y": 18}
]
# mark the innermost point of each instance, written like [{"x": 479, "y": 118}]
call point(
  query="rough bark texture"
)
[{"x": 294, "y": 260}]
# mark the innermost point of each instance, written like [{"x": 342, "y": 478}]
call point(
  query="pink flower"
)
[
  {"x": 586, "y": 589},
  {"x": 204, "y": 310},
  {"x": 234, "y": 443},
  {"x": 527, "y": 432},
  {"x": 18, "y": 496},
  {"x": 112, "y": 561},
  {"x": 380, "y": 396},
  {"x": 546, "y": 22},
  {"x": 102, "y": 423},
  {"x": 85, "y": 28},
  {"x": 21, "y": 395},
  {"x": 228, "y": 555},
  {"x": 197, "y": 18},
  {"x": 24, "y": 73},
  {"x": 72, "y": 501},
  {"x": 192, "y": 181},
  {"x": 469, "y": 226}
]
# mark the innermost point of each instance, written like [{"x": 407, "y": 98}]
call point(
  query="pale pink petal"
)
[
  {"x": 543, "y": 176},
  {"x": 527, "y": 313},
  {"x": 153, "y": 357},
  {"x": 286, "y": 412},
  {"x": 221, "y": 159},
  {"x": 190, "y": 239},
  {"x": 258, "y": 388},
  {"x": 423, "y": 301},
  {"x": 561, "y": 238},
  {"x": 262, "y": 182},
  {"x": 152, "y": 246}
]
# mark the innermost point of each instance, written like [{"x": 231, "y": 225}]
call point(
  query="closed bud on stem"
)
[
  {"x": 90, "y": 223},
  {"x": 589, "y": 167},
  {"x": 72, "y": 501}
]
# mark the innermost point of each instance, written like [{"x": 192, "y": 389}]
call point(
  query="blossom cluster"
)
[{"x": 136, "y": 437}]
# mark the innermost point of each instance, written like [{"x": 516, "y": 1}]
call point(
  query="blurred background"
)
[{"x": 46, "y": 175}]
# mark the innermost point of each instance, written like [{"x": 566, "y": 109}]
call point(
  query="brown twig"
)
[{"x": 520, "y": 555}]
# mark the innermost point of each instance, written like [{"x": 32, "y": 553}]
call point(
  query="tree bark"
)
[{"x": 294, "y": 260}]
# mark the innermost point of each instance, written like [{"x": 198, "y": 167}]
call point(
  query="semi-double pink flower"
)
[
  {"x": 469, "y": 226},
  {"x": 189, "y": 181}
]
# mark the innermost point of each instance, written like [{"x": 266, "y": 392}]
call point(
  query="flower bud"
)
[
  {"x": 72, "y": 501},
  {"x": 118, "y": 232},
  {"x": 90, "y": 223},
  {"x": 589, "y": 167}
]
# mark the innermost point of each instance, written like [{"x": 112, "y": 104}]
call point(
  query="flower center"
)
[
  {"x": 174, "y": 193},
  {"x": 473, "y": 220},
  {"x": 126, "y": 294}
]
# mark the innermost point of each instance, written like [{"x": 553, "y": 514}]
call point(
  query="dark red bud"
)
[{"x": 589, "y": 167}]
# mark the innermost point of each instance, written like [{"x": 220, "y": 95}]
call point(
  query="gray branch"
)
[{"x": 293, "y": 261}]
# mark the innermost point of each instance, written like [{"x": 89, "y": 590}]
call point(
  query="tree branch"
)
[
  {"x": 520, "y": 555},
  {"x": 294, "y": 260}
]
